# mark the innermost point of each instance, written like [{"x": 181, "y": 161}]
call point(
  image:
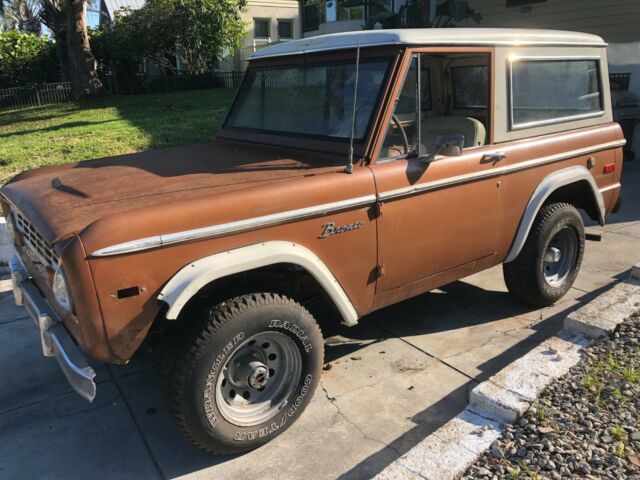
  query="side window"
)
[
  {"x": 470, "y": 88},
  {"x": 446, "y": 104},
  {"x": 552, "y": 91},
  {"x": 402, "y": 133}
]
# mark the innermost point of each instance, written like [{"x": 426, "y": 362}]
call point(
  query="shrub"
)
[{"x": 27, "y": 59}]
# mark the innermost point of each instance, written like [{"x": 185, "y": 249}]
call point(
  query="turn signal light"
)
[{"x": 609, "y": 168}]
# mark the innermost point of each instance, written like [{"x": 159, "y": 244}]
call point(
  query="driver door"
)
[{"x": 439, "y": 219}]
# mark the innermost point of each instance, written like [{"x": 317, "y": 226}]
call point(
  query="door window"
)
[
  {"x": 402, "y": 136},
  {"x": 448, "y": 98}
]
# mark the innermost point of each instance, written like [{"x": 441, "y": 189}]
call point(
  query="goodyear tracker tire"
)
[
  {"x": 245, "y": 373},
  {"x": 551, "y": 257}
]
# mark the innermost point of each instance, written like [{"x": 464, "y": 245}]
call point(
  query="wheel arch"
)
[
  {"x": 574, "y": 185},
  {"x": 197, "y": 275}
]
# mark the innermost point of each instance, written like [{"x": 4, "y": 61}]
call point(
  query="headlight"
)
[
  {"x": 61, "y": 290},
  {"x": 11, "y": 228}
]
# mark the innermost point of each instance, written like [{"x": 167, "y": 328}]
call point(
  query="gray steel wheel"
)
[
  {"x": 560, "y": 257},
  {"x": 258, "y": 379}
]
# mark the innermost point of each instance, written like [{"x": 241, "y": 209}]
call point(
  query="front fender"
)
[{"x": 194, "y": 276}]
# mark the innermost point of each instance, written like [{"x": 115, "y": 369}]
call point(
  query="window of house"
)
[
  {"x": 261, "y": 28},
  {"x": 470, "y": 87},
  {"x": 523, "y": 3},
  {"x": 285, "y": 29},
  {"x": 350, "y": 10},
  {"x": 313, "y": 14},
  {"x": 552, "y": 91}
]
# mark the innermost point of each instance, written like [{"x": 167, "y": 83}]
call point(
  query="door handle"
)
[{"x": 493, "y": 157}]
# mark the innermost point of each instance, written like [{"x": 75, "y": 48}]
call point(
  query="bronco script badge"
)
[{"x": 329, "y": 229}]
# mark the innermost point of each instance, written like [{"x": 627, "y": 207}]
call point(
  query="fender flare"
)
[
  {"x": 194, "y": 276},
  {"x": 545, "y": 188}
]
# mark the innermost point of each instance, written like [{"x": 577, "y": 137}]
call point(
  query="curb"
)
[{"x": 453, "y": 448}]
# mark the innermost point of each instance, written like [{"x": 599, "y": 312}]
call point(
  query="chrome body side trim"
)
[
  {"x": 468, "y": 177},
  {"x": 194, "y": 276},
  {"x": 546, "y": 187},
  {"x": 233, "y": 227},
  {"x": 215, "y": 231},
  {"x": 54, "y": 337},
  {"x": 613, "y": 186}
]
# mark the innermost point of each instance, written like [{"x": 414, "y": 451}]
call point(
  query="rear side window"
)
[
  {"x": 553, "y": 91},
  {"x": 470, "y": 88}
]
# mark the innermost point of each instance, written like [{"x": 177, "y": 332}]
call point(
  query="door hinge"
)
[
  {"x": 377, "y": 209},
  {"x": 380, "y": 270}
]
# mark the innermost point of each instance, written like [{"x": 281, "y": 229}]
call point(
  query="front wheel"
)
[
  {"x": 245, "y": 374},
  {"x": 551, "y": 257}
]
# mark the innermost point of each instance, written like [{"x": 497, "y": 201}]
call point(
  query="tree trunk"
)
[
  {"x": 60, "y": 35},
  {"x": 81, "y": 64}
]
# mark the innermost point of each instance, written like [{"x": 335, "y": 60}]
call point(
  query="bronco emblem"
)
[{"x": 329, "y": 229}]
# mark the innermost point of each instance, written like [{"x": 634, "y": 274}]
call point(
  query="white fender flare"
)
[
  {"x": 191, "y": 278},
  {"x": 547, "y": 186}
]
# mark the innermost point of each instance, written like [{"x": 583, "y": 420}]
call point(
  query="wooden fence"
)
[{"x": 34, "y": 96}]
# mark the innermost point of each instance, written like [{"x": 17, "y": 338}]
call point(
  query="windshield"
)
[{"x": 314, "y": 100}]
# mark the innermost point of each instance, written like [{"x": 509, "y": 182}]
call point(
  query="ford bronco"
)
[{"x": 352, "y": 171}]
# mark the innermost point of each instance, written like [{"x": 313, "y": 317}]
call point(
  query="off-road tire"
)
[
  {"x": 200, "y": 356},
  {"x": 524, "y": 276}
]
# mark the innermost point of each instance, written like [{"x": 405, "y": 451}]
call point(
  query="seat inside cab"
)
[{"x": 453, "y": 98}]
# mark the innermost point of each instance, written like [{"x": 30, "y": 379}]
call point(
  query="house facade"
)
[{"x": 267, "y": 22}]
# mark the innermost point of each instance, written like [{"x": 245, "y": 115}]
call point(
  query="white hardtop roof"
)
[{"x": 431, "y": 36}]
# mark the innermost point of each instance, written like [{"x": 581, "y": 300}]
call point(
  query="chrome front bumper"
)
[{"x": 54, "y": 337}]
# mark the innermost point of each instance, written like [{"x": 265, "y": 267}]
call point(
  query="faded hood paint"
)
[{"x": 63, "y": 200}]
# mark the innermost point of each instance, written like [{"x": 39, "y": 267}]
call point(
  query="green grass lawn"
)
[{"x": 96, "y": 128}]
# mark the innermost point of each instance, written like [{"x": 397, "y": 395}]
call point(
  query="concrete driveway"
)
[{"x": 397, "y": 377}]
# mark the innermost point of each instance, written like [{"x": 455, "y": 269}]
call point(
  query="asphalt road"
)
[{"x": 399, "y": 375}]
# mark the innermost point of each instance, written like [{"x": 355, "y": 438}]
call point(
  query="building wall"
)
[
  {"x": 273, "y": 10},
  {"x": 614, "y": 20}
]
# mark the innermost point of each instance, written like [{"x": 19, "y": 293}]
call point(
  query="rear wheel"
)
[
  {"x": 551, "y": 257},
  {"x": 245, "y": 374}
]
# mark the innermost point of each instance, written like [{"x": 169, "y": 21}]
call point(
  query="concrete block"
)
[
  {"x": 491, "y": 401},
  {"x": 600, "y": 317},
  {"x": 529, "y": 375},
  {"x": 635, "y": 272},
  {"x": 396, "y": 471},
  {"x": 471, "y": 431},
  {"x": 448, "y": 452},
  {"x": 6, "y": 247}
]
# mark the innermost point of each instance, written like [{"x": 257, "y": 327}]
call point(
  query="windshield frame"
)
[{"x": 324, "y": 143}]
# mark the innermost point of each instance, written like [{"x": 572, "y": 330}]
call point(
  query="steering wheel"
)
[{"x": 403, "y": 134}]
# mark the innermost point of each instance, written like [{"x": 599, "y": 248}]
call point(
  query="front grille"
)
[{"x": 37, "y": 247}]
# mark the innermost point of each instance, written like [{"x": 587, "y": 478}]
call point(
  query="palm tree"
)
[{"x": 23, "y": 15}]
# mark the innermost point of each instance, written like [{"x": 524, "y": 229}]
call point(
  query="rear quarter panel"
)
[{"x": 519, "y": 186}]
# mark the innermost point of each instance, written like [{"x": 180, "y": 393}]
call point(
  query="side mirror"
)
[{"x": 447, "y": 145}]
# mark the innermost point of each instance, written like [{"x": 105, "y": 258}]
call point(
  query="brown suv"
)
[{"x": 353, "y": 171}]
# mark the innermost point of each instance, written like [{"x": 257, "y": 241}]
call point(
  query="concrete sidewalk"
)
[{"x": 398, "y": 376}]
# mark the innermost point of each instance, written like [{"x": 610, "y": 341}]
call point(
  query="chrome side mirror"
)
[{"x": 447, "y": 145}]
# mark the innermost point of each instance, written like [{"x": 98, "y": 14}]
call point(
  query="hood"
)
[{"x": 63, "y": 200}]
